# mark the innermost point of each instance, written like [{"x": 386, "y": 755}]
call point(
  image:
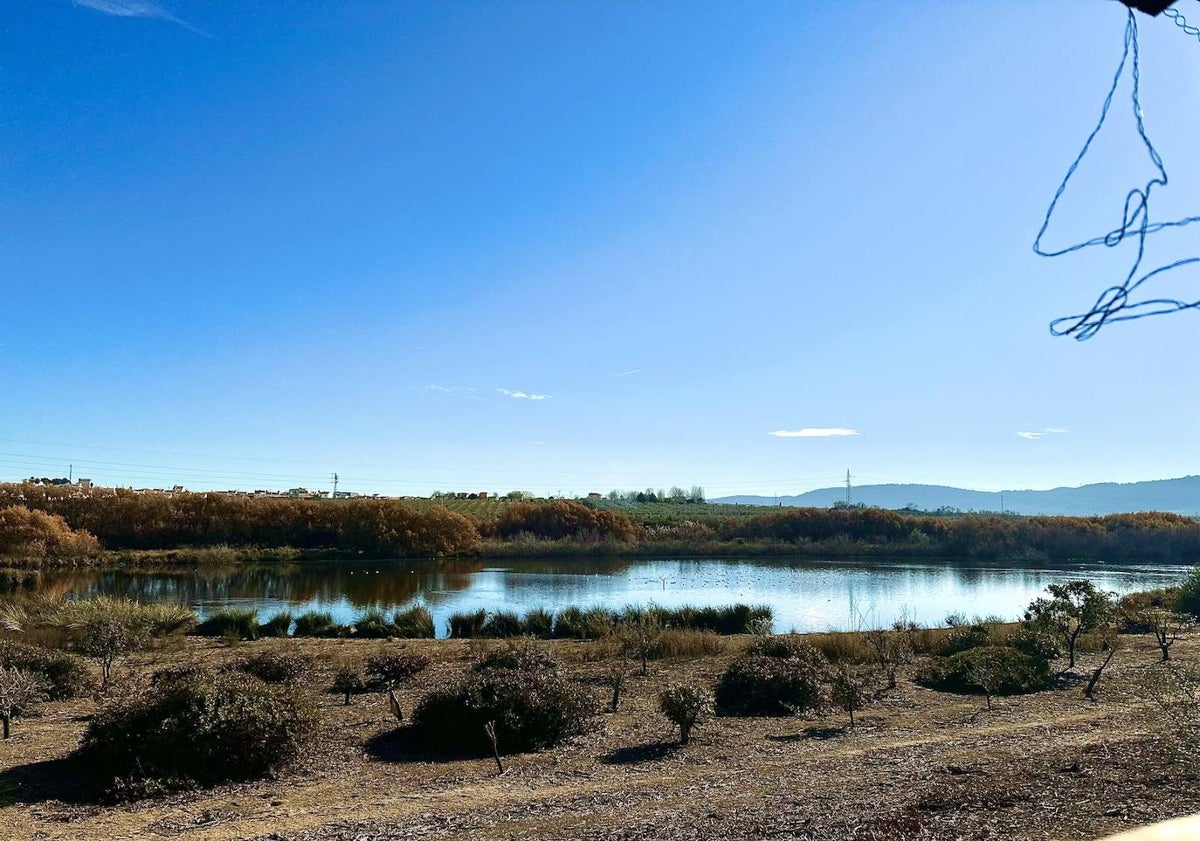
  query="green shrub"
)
[
  {"x": 539, "y": 623},
  {"x": 771, "y": 685},
  {"x": 568, "y": 624},
  {"x": 1013, "y": 673},
  {"x": 520, "y": 656},
  {"x": 62, "y": 675},
  {"x": 317, "y": 623},
  {"x": 531, "y": 709},
  {"x": 1033, "y": 643},
  {"x": 387, "y": 671},
  {"x": 107, "y": 628},
  {"x": 731, "y": 619},
  {"x": 233, "y": 623},
  {"x": 466, "y": 625},
  {"x": 200, "y": 729},
  {"x": 414, "y": 623},
  {"x": 685, "y": 707},
  {"x": 1188, "y": 600},
  {"x": 502, "y": 624},
  {"x": 277, "y": 626},
  {"x": 964, "y": 638},
  {"x": 373, "y": 624},
  {"x": 277, "y": 667}
]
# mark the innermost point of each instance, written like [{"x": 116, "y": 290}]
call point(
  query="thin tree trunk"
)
[
  {"x": 1091, "y": 687},
  {"x": 490, "y": 729},
  {"x": 6, "y": 721}
]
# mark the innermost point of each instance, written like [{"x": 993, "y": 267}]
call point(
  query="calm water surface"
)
[{"x": 806, "y": 595}]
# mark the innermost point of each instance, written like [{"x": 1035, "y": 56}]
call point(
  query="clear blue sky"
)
[{"x": 251, "y": 243}]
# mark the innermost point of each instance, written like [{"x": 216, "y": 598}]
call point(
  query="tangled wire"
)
[{"x": 1116, "y": 303}]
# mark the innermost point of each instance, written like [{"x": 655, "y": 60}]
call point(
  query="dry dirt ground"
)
[{"x": 919, "y": 765}]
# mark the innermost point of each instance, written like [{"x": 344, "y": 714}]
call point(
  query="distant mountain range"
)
[{"x": 1181, "y": 496}]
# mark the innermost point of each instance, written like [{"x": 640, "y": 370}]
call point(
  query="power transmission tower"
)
[
  {"x": 335, "y": 481},
  {"x": 847, "y": 487}
]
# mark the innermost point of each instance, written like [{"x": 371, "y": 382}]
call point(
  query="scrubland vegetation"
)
[
  {"x": 108, "y": 702},
  {"x": 42, "y": 525}
]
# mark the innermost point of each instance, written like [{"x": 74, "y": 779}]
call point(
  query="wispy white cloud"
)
[
  {"x": 1034, "y": 436},
  {"x": 134, "y": 9},
  {"x": 629, "y": 373},
  {"x": 815, "y": 432},
  {"x": 522, "y": 395}
]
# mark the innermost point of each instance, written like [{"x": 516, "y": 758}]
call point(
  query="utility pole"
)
[
  {"x": 1001, "y": 503},
  {"x": 335, "y": 480},
  {"x": 847, "y": 487},
  {"x": 71, "y": 473}
]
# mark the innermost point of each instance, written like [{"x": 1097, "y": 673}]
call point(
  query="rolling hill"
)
[{"x": 1181, "y": 496}]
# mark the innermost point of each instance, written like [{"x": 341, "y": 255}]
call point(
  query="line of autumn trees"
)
[{"x": 121, "y": 519}]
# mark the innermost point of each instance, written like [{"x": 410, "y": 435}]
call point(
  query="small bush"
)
[
  {"x": 277, "y": 667},
  {"x": 685, "y": 707},
  {"x": 277, "y": 626},
  {"x": 964, "y": 638},
  {"x": 783, "y": 645},
  {"x": 1035, "y": 644},
  {"x": 591, "y": 624},
  {"x": 467, "y": 625},
  {"x": 849, "y": 688},
  {"x": 108, "y": 629},
  {"x": 348, "y": 682},
  {"x": 203, "y": 729},
  {"x": 62, "y": 675},
  {"x": 316, "y": 623},
  {"x": 598, "y": 622},
  {"x": 414, "y": 623},
  {"x": 728, "y": 620},
  {"x": 387, "y": 671},
  {"x": 771, "y": 685},
  {"x": 19, "y": 693},
  {"x": 539, "y": 623},
  {"x": 1011, "y": 671},
  {"x": 518, "y": 657},
  {"x": 373, "y": 624},
  {"x": 232, "y": 623},
  {"x": 502, "y": 624},
  {"x": 530, "y": 709},
  {"x": 1188, "y": 598}
]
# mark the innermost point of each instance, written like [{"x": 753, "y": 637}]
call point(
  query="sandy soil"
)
[{"x": 919, "y": 765}]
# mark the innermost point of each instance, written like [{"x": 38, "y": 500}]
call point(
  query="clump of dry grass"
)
[{"x": 678, "y": 644}]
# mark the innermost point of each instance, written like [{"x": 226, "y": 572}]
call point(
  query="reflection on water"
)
[{"x": 806, "y": 595}]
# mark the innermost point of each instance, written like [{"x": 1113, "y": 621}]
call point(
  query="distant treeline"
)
[{"x": 124, "y": 520}]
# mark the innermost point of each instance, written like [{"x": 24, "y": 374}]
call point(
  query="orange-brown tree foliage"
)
[
  {"x": 123, "y": 519},
  {"x": 561, "y": 518},
  {"x": 35, "y": 535}
]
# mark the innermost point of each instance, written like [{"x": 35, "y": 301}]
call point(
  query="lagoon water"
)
[{"x": 805, "y": 594}]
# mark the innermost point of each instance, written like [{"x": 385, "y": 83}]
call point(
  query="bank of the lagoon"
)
[{"x": 804, "y": 594}]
